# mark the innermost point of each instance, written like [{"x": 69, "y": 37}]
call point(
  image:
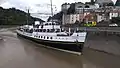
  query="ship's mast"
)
[
  {"x": 52, "y": 12},
  {"x": 27, "y": 16}
]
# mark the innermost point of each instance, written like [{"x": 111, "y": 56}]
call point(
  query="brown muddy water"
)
[{"x": 17, "y": 52}]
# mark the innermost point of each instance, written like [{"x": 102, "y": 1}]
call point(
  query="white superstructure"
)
[{"x": 52, "y": 32}]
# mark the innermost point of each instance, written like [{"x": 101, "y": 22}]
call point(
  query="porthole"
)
[
  {"x": 50, "y": 37},
  {"x": 47, "y": 37}
]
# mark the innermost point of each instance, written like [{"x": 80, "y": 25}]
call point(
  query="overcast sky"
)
[{"x": 35, "y": 6}]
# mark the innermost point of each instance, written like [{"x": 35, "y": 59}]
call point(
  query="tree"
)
[
  {"x": 13, "y": 16},
  {"x": 71, "y": 10},
  {"x": 49, "y": 18},
  {"x": 57, "y": 16}
]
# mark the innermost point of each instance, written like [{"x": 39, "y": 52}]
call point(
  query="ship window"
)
[
  {"x": 48, "y": 30},
  {"x": 40, "y": 30},
  {"x": 53, "y": 24},
  {"x": 50, "y": 23},
  {"x": 44, "y": 30},
  {"x": 52, "y": 30},
  {"x": 77, "y": 35},
  {"x": 35, "y": 30},
  {"x": 41, "y": 36},
  {"x": 44, "y": 37},
  {"x": 50, "y": 37},
  {"x": 47, "y": 37}
]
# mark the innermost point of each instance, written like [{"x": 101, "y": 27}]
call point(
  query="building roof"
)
[{"x": 65, "y": 4}]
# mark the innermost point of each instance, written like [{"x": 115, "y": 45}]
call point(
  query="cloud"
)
[{"x": 2, "y": 1}]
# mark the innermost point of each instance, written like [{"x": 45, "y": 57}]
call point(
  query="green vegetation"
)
[
  {"x": 57, "y": 16},
  {"x": 14, "y": 16},
  {"x": 117, "y": 3},
  {"x": 71, "y": 10}
]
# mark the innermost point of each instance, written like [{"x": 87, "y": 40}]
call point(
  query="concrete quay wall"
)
[{"x": 104, "y": 41}]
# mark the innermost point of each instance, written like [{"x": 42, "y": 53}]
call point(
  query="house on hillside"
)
[
  {"x": 71, "y": 19},
  {"x": 114, "y": 13}
]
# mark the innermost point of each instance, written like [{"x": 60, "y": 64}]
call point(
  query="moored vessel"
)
[{"x": 50, "y": 34}]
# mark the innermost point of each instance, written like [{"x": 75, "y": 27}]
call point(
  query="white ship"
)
[{"x": 52, "y": 35}]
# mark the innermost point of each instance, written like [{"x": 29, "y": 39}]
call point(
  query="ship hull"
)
[{"x": 71, "y": 47}]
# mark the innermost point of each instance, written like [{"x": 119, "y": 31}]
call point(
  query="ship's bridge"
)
[{"x": 49, "y": 25}]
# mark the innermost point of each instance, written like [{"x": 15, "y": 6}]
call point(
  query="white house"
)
[
  {"x": 71, "y": 19},
  {"x": 113, "y": 13},
  {"x": 100, "y": 17}
]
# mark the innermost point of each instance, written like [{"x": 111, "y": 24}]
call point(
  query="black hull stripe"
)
[{"x": 63, "y": 46}]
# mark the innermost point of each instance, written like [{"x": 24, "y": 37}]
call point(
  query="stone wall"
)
[{"x": 102, "y": 41}]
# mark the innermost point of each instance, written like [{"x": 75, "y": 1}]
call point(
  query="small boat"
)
[{"x": 51, "y": 35}]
